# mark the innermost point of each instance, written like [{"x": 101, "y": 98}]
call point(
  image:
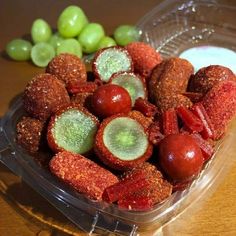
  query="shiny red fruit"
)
[
  {"x": 180, "y": 157},
  {"x": 109, "y": 100}
]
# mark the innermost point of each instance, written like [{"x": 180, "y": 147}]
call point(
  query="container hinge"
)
[{"x": 105, "y": 224}]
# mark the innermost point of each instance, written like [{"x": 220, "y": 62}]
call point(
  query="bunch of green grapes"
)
[{"x": 76, "y": 35}]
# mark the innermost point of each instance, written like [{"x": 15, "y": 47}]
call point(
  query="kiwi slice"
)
[
  {"x": 111, "y": 60},
  {"x": 74, "y": 130},
  {"x": 132, "y": 83},
  {"x": 125, "y": 138}
]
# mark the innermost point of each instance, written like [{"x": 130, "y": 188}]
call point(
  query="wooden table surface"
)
[{"x": 22, "y": 211}]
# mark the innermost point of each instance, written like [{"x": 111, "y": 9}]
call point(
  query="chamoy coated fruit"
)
[
  {"x": 72, "y": 129},
  {"x": 109, "y": 100},
  {"x": 180, "y": 157},
  {"x": 133, "y": 83},
  {"x": 108, "y": 61},
  {"x": 122, "y": 143}
]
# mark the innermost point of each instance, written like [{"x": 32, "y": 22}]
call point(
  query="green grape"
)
[
  {"x": 71, "y": 46},
  {"x": 71, "y": 21},
  {"x": 125, "y": 34},
  {"x": 42, "y": 53},
  {"x": 90, "y": 36},
  {"x": 56, "y": 40},
  {"x": 19, "y": 49},
  {"x": 40, "y": 31},
  {"x": 106, "y": 42}
]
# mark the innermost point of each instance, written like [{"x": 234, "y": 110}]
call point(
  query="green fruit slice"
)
[
  {"x": 42, "y": 54},
  {"x": 74, "y": 131},
  {"x": 132, "y": 83},
  {"x": 125, "y": 138},
  {"x": 112, "y": 60}
]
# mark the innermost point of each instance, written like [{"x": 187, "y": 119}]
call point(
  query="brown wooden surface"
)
[{"x": 218, "y": 214}]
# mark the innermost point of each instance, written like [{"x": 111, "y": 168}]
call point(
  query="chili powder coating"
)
[
  {"x": 82, "y": 174},
  {"x": 108, "y": 158},
  {"x": 220, "y": 105},
  {"x": 144, "y": 57},
  {"x": 167, "y": 83},
  {"x": 68, "y": 68},
  {"x": 43, "y": 95},
  {"x": 28, "y": 133},
  {"x": 209, "y": 76},
  {"x": 158, "y": 188}
]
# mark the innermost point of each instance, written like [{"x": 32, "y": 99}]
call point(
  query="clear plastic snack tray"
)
[{"x": 171, "y": 27}]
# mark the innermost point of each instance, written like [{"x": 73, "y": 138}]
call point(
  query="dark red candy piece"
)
[
  {"x": 74, "y": 87},
  {"x": 136, "y": 203},
  {"x": 110, "y": 99},
  {"x": 200, "y": 112},
  {"x": 190, "y": 119},
  {"x": 170, "y": 122},
  {"x": 154, "y": 133},
  {"x": 206, "y": 147},
  {"x": 180, "y": 157},
  {"x": 125, "y": 187},
  {"x": 145, "y": 107}
]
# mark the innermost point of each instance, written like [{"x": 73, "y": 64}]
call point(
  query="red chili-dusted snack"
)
[
  {"x": 110, "y": 99},
  {"x": 145, "y": 107},
  {"x": 155, "y": 192},
  {"x": 72, "y": 129},
  {"x": 190, "y": 119},
  {"x": 125, "y": 187},
  {"x": 220, "y": 106},
  {"x": 82, "y": 174},
  {"x": 29, "y": 133},
  {"x": 142, "y": 119},
  {"x": 170, "y": 122},
  {"x": 205, "y": 146},
  {"x": 209, "y": 76},
  {"x": 144, "y": 56},
  {"x": 133, "y": 83},
  {"x": 68, "y": 68},
  {"x": 108, "y": 61},
  {"x": 81, "y": 99},
  {"x": 122, "y": 143},
  {"x": 154, "y": 133},
  {"x": 180, "y": 157},
  {"x": 208, "y": 130},
  {"x": 168, "y": 82},
  {"x": 43, "y": 95},
  {"x": 75, "y": 87}
]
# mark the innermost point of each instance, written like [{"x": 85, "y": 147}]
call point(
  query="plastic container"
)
[{"x": 171, "y": 27}]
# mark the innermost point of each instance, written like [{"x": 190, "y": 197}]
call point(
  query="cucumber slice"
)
[{"x": 125, "y": 138}]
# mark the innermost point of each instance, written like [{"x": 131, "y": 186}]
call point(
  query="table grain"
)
[{"x": 215, "y": 215}]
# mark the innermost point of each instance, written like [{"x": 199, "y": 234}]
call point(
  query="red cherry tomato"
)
[
  {"x": 180, "y": 157},
  {"x": 109, "y": 100}
]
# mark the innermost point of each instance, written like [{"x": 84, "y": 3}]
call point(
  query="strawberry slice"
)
[
  {"x": 125, "y": 187},
  {"x": 200, "y": 112},
  {"x": 136, "y": 203},
  {"x": 145, "y": 107},
  {"x": 190, "y": 119},
  {"x": 170, "y": 122},
  {"x": 206, "y": 148}
]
